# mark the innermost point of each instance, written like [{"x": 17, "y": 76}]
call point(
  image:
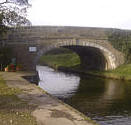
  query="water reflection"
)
[
  {"x": 113, "y": 90},
  {"x": 105, "y": 100},
  {"x": 57, "y": 83}
]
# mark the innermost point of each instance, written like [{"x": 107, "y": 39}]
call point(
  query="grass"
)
[
  {"x": 123, "y": 69},
  {"x": 58, "y": 60},
  {"x": 14, "y": 111},
  {"x": 123, "y": 72}
]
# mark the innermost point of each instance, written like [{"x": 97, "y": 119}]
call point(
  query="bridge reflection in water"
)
[{"x": 104, "y": 100}]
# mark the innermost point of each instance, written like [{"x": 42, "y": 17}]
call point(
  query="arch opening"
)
[{"x": 91, "y": 58}]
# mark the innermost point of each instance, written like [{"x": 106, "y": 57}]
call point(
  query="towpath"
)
[{"x": 49, "y": 110}]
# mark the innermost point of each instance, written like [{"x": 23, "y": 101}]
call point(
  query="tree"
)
[{"x": 12, "y": 13}]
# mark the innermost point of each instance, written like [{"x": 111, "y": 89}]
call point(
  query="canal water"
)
[{"x": 105, "y": 100}]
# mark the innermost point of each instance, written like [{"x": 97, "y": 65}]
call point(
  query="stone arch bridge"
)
[{"x": 30, "y": 43}]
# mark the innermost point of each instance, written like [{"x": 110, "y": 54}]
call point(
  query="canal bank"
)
[
  {"x": 118, "y": 74},
  {"x": 48, "y": 110},
  {"x": 70, "y": 62}
]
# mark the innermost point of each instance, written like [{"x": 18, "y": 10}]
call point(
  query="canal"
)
[{"x": 105, "y": 100}]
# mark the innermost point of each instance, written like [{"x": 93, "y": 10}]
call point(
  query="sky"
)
[{"x": 85, "y": 13}]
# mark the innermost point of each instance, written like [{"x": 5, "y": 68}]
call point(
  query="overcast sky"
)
[{"x": 90, "y": 13}]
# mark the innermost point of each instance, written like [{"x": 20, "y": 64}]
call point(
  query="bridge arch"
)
[{"x": 107, "y": 53}]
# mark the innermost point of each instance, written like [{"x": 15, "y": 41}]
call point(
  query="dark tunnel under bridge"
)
[{"x": 91, "y": 58}]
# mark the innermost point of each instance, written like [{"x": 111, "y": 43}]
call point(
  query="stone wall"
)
[{"x": 46, "y": 38}]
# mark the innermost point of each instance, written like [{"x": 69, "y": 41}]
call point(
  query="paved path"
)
[{"x": 49, "y": 111}]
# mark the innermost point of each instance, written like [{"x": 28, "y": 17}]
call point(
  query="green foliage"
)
[
  {"x": 123, "y": 69},
  {"x": 64, "y": 59},
  {"x": 121, "y": 40}
]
